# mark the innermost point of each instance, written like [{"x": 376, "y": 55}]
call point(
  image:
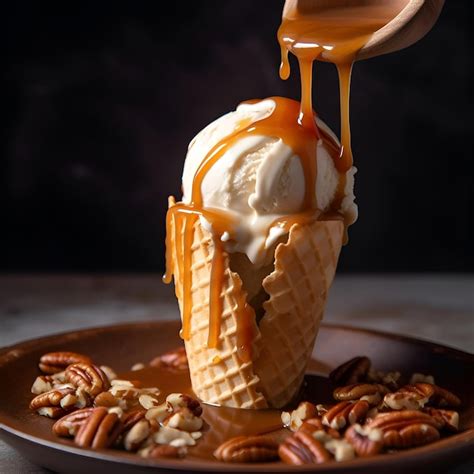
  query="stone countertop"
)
[{"x": 438, "y": 307}]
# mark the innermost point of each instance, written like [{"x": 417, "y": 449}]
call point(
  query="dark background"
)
[{"x": 101, "y": 100}]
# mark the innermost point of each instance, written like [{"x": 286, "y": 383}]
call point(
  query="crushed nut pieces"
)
[
  {"x": 374, "y": 412},
  {"x": 98, "y": 410}
]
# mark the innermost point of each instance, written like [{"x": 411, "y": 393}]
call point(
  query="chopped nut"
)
[
  {"x": 137, "y": 366},
  {"x": 42, "y": 384},
  {"x": 181, "y": 400},
  {"x": 184, "y": 420},
  {"x": 68, "y": 401},
  {"x": 147, "y": 401},
  {"x": 295, "y": 419},
  {"x": 341, "y": 449},
  {"x": 136, "y": 435},
  {"x": 117, "y": 410},
  {"x": 167, "y": 435},
  {"x": 159, "y": 413}
]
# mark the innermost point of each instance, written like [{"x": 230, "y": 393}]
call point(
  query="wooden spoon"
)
[{"x": 416, "y": 18}]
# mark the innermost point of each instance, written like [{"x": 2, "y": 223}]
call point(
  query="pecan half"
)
[
  {"x": 55, "y": 362},
  {"x": 99, "y": 430},
  {"x": 371, "y": 393},
  {"x": 89, "y": 377},
  {"x": 302, "y": 448},
  {"x": 346, "y": 413},
  {"x": 247, "y": 449},
  {"x": 445, "y": 419},
  {"x": 366, "y": 441},
  {"x": 165, "y": 451},
  {"x": 352, "y": 371},
  {"x": 406, "y": 428},
  {"x": 174, "y": 359},
  {"x": 416, "y": 396},
  {"x": 51, "y": 399},
  {"x": 68, "y": 425}
]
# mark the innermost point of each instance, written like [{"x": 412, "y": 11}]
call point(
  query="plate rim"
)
[{"x": 453, "y": 445}]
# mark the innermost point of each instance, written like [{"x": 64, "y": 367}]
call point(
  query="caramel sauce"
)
[
  {"x": 222, "y": 423},
  {"x": 333, "y": 33}
]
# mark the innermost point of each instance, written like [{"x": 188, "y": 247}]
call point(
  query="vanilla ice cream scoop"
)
[{"x": 259, "y": 179}]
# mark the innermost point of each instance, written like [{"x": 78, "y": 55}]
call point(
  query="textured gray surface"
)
[{"x": 438, "y": 308}]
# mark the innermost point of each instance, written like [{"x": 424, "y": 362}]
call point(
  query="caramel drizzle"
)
[
  {"x": 334, "y": 34},
  {"x": 309, "y": 37}
]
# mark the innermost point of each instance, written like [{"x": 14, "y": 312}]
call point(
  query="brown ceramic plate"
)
[{"x": 121, "y": 346}]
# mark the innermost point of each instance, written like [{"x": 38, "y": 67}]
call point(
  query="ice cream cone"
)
[{"x": 283, "y": 340}]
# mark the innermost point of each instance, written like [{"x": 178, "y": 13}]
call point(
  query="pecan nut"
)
[
  {"x": 99, "y": 430},
  {"x": 247, "y": 449},
  {"x": 55, "y": 362},
  {"x": 302, "y": 448},
  {"x": 366, "y": 441},
  {"x": 346, "y": 413},
  {"x": 181, "y": 400},
  {"x": 174, "y": 359},
  {"x": 166, "y": 451},
  {"x": 371, "y": 393},
  {"x": 352, "y": 371},
  {"x": 406, "y": 428},
  {"x": 443, "y": 398},
  {"x": 89, "y": 377},
  {"x": 68, "y": 425},
  {"x": 50, "y": 403},
  {"x": 417, "y": 395},
  {"x": 445, "y": 419},
  {"x": 295, "y": 418}
]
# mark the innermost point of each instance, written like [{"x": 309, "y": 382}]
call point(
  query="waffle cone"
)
[{"x": 283, "y": 340}]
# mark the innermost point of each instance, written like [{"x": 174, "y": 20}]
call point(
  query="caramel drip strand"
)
[
  {"x": 344, "y": 163},
  {"x": 306, "y": 116},
  {"x": 170, "y": 242},
  {"x": 188, "y": 235}
]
